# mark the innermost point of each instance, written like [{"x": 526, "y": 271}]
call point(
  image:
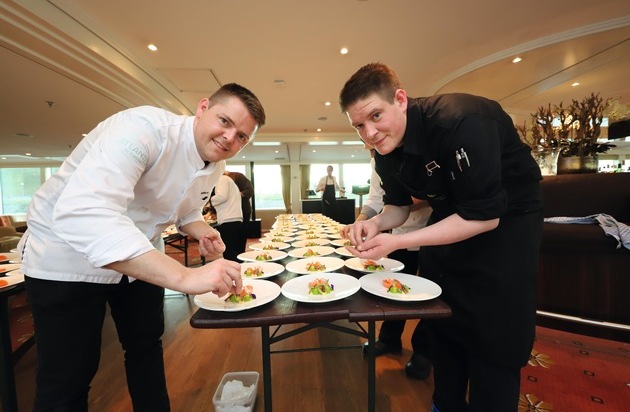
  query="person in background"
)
[
  {"x": 389, "y": 338},
  {"x": 227, "y": 203},
  {"x": 247, "y": 192},
  {"x": 95, "y": 239},
  {"x": 481, "y": 245},
  {"x": 328, "y": 185}
]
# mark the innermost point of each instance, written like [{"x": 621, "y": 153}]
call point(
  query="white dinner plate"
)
[
  {"x": 6, "y": 256},
  {"x": 264, "y": 290},
  {"x": 7, "y": 267},
  {"x": 318, "y": 231},
  {"x": 343, "y": 252},
  {"x": 285, "y": 239},
  {"x": 314, "y": 236},
  {"x": 344, "y": 286},
  {"x": 320, "y": 250},
  {"x": 340, "y": 242},
  {"x": 310, "y": 242},
  {"x": 389, "y": 265},
  {"x": 14, "y": 277},
  {"x": 299, "y": 266},
  {"x": 421, "y": 288},
  {"x": 251, "y": 256},
  {"x": 269, "y": 269},
  {"x": 270, "y": 246}
]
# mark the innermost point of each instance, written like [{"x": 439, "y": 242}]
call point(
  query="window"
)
[
  {"x": 17, "y": 186},
  {"x": 356, "y": 174},
  {"x": 268, "y": 187}
]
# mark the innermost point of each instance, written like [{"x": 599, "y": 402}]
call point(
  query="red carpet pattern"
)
[{"x": 575, "y": 373}]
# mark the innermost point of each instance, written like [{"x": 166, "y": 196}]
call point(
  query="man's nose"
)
[{"x": 370, "y": 132}]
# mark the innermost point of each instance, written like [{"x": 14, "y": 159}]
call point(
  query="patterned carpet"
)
[{"x": 575, "y": 373}]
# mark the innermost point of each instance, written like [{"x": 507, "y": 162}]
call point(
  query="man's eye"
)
[
  {"x": 243, "y": 138},
  {"x": 223, "y": 120},
  {"x": 376, "y": 116}
]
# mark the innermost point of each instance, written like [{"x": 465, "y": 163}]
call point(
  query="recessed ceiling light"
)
[
  {"x": 322, "y": 143},
  {"x": 319, "y": 130},
  {"x": 352, "y": 143},
  {"x": 327, "y": 104},
  {"x": 243, "y": 157},
  {"x": 314, "y": 151},
  {"x": 343, "y": 50},
  {"x": 575, "y": 84},
  {"x": 28, "y": 154},
  {"x": 516, "y": 60},
  {"x": 266, "y": 143},
  {"x": 276, "y": 151},
  {"x": 152, "y": 47}
]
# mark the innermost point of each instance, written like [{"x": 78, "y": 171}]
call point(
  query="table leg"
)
[
  {"x": 7, "y": 381},
  {"x": 266, "y": 364},
  {"x": 371, "y": 366}
]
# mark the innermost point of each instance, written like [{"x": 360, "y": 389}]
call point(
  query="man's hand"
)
[
  {"x": 219, "y": 277},
  {"x": 375, "y": 248},
  {"x": 210, "y": 244}
]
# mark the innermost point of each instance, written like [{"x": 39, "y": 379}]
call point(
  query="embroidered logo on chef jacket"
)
[
  {"x": 204, "y": 195},
  {"x": 135, "y": 151}
]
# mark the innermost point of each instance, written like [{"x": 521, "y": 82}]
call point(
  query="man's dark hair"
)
[
  {"x": 371, "y": 78},
  {"x": 248, "y": 98}
]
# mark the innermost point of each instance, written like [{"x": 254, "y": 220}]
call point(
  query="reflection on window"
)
[{"x": 268, "y": 187}]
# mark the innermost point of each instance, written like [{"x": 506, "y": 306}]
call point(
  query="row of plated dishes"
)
[{"x": 312, "y": 239}]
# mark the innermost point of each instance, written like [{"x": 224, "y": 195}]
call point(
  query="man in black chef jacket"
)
[{"x": 462, "y": 154}]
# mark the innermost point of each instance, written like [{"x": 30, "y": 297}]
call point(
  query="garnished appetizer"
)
[
  {"x": 254, "y": 271},
  {"x": 320, "y": 286},
  {"x": 312, "y": 244},
  {"x": 246, "y": 295},
  {"x": 347, "y": 243},
  {"x": 315, "y": 267},
  {"x": 269, "y": 247},
  {"x": 312, "y": 237},
  {"x": 394, "y": 286},
  {"x": 3, "y": 283},
  {"x": 369, "y": 264},
  {"x": 263, "y": 256},
  {"x": 310, "y": 253},
  {"x": 276, "y": 239}
]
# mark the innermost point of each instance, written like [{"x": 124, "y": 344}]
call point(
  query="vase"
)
[
  {"x": 577, "y": 164},
  {"x": 547, "y": 159}
]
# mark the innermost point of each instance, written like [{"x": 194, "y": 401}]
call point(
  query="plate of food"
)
[
  {"x": 8, "y": 267},
  {"x": 320, "y": 288},
  {"x": 316, "y": 264},
  {"x": 341, "y": 242},
  {"x": 310, "y": 251},
  {"x": 371, "y": 265},
  {"x": 310, "y": 242},
  {"x": 400, "y": 286},
  {"x": 7, "y": 256},
  {"x": 284, "y": 239},
  {"x": 11, "y": 278},
  {"x": 260, "y": 270},
  {"x": 256, "y": 292},
  {"x": 312, "y": 236},
  {"x": 262, "y": 256},
  {"x": 270, "y": 246},
  {"x": 343, "y": 252}
]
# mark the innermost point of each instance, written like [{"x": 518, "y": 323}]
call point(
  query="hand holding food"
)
[{"x": 246, "y": 295}]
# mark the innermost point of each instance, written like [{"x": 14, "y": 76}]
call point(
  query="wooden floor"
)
[{"x": 302, "y": 381}]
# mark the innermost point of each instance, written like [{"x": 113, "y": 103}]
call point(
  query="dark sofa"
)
[{"x": 582, "y": 273}]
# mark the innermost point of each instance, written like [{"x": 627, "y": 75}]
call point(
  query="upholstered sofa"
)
[
  {"x": 582, "y": 272},
  {"x": 10, "y": 232}
]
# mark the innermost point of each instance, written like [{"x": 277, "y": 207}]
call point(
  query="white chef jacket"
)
[
  {"x": 131, "y": 177},
  {"x": 227, "y": 201},
  {"x": 417, "y": 218}
]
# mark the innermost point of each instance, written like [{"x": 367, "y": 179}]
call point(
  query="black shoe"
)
[
  {"x": 418, "y": 367},
  {"x": 382, "y": 348}
]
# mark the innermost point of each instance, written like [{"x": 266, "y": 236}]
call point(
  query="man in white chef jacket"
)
[{"x": 94, "y": 239}]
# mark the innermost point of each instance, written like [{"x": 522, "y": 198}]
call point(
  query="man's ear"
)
[{"x": 400, "y": 98}]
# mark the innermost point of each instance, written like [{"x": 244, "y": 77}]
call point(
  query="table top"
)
[{"x": 362, "y": 306}]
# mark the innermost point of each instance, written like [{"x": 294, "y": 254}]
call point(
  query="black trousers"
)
[
  {"x": 234, "y": 236},
  {"x": 392, "y": 330},
  {"x": 68, "y": 318}
]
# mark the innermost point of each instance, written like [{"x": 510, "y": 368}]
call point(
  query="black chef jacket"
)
[{"x": 462, "y": 154}]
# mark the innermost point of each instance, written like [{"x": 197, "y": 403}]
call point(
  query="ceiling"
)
[{"x": 67, "y": 64}]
